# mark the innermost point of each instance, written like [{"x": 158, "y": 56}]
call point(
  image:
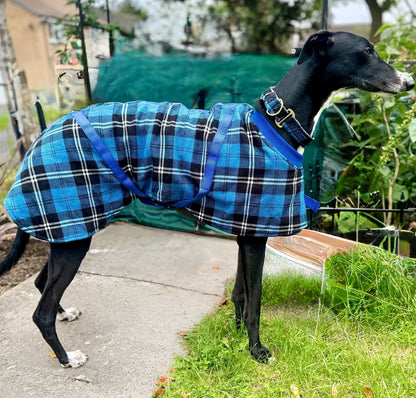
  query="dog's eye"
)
[{"x": 369, "y": 50}]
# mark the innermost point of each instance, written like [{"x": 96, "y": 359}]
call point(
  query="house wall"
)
[{"x": 34, "y": 54}]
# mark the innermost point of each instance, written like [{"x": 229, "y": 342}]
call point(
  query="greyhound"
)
[{"x": 327, "y": 62}]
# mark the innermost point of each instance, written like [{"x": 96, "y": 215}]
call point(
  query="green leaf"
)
[
  {"x": 401, "y": 109},
  {"x": 389, "y": 103},
  {"x": 412, "y": 130},
  {"x": 385, "y": 171},
  {"x": 409, "y": 44},
  {"x": 392, "y": 50},
  {"x": 397, "y": 192},
  {"x": 399, "y": 65}
]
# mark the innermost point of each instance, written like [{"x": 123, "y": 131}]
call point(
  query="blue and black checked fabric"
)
[{"x": 64, "y": 191}]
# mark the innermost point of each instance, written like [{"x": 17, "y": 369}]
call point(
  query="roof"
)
[
  {"x": 47, "y": 8},
  {"x": 60, "y": 8}
]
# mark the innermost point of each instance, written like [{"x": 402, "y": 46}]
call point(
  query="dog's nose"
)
[{"x": 408, "y": 83}]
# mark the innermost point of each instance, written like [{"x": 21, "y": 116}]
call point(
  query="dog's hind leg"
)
[
  {"x": 238, "y": 296},
  {"x": 68, "y": 314},
  {"x": 64, "y": 261},
  {"x": 247, "y": 291}
]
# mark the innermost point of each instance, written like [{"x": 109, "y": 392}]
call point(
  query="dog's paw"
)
[
  {"x": 69, "y": 314},
  {"x": 261, "y": 354},
  {"x": 76, "y": 359}
]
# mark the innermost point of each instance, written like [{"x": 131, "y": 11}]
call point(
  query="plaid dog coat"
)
[{"x": 65, "y": 191}]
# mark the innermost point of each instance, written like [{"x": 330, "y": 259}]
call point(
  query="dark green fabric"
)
[
  {"x": 134, "y": 76},
  {"x": 158, "y": 217}
]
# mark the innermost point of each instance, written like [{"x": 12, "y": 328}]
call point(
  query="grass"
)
[
  {"x": 4, "y": 121},
  {"x": 372, "y": 285},
  {"x": 52, "y": 113},
  {"x": 4, "y": 188},
  {"x": 322, "y": 353}
]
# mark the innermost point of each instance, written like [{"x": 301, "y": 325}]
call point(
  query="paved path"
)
[{"x": 137, "y": 288}]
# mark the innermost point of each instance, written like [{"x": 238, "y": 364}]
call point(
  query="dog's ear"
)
[{"x": 317, "y": 44}]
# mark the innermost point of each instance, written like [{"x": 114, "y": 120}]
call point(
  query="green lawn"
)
[{"x": 318, "y": 352}]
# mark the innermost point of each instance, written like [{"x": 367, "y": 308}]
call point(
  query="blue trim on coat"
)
[{"x": 276, "y": 140}]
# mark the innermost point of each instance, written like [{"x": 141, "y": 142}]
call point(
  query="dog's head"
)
[
  {"x": 317, "y": 45},
  {"x": 350, "y": 61}
]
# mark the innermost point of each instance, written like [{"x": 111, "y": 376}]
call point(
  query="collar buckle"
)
[{"x": 290, "y": 113}]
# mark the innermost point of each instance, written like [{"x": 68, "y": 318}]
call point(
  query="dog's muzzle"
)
[{"x": 406, "y": 80}]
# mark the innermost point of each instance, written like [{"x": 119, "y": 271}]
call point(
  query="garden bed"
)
[{"x": 304, "y": 253}]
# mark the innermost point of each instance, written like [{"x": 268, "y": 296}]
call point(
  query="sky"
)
[
  {"x": 343, "y": 12},
  {"x": 355, "y": 11}
]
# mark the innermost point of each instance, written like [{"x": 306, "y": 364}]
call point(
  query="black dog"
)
[{"x": 328, "y": 62}]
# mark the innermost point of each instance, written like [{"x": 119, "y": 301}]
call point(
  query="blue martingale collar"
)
[
  {"x": 276, "y": 140},
  {"x": 285, "y": 118}
]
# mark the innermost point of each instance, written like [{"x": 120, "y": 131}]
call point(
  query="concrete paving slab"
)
[{"x": 137, "y": 288}]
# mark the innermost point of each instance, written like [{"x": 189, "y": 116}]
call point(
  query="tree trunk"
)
[{"x": 376, "y": 18}]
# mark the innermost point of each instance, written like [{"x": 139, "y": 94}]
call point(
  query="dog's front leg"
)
[{"x": 247, "y": 291}]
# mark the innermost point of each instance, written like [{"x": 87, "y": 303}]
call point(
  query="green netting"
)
[
  {"x": 158, "y": 217},
  {"x": 239, "y": 78},
  {"x": 326, "y": 158}
]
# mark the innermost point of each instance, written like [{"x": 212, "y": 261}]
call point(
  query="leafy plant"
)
[
  {"x": 71, "y": 22},
  {"x": 72, "y": 27},
  {"x": 384, "y": 158},
  {"x": 264, "y": 25},
  {"x": 128, "y": 7}
]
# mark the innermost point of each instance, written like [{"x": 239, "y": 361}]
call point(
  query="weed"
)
[{"x": 52, "y": 113}]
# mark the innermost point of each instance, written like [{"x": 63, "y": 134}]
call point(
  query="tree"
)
[
  {"x": 377, "y": 8},
  {"x": 265, "y": 25},
  {"x": 74, "y": 26}
]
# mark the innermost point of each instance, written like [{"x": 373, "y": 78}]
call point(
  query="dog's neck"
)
[
  {"x": 302, "y": 90},
  {"x": 283, "y": 119},
  {"x": 305, "y": 88}
]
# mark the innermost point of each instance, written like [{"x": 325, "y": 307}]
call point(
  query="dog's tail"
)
[{"x": 18, "y": 248}]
